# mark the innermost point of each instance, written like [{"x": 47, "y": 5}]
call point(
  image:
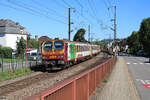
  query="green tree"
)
[
  {"x": 144, "y": 35},
  {"x": 31, "y": 43},
  {"x": 79, "y": 36},
  {"x": 101, "y": 43},
  {"x": 133, "y": 43},
  {"x": 21, "y": 47}
]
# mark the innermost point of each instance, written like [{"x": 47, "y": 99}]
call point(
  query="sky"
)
[{"x": 50, "y": 17}]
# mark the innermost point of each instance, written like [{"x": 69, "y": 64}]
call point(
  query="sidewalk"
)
[{"x": 119, "y": 85}]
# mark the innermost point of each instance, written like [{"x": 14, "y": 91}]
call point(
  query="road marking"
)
[
  {"x": 148, "y": 63},
  {"x": 141, "y": 63},
  {"x": 135, "y": 63},
  {"x": 145, "y": 83},
  {"x": 128, "y": 63}
]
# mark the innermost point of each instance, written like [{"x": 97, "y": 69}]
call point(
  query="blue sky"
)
[{"x": 50, "y": 17}]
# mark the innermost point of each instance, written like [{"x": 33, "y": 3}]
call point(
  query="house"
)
[
  {"x": 44, "y": 38},
  {"x": 10, "y": 33}
]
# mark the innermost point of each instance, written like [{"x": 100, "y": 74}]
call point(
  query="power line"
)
[
  {"x": 61, "y": 5},
  {"x": 24, "y": 6},
  {"x": 66, "y": 3},
  {"x": 77, "y": 1},
  {"x": 109, "y": 3},
  {"x": 75, "y": 9},
  {"x": 93, "y": 11},
  {"x": 22, "y": 10},
  {"x": 49, "y": 10}
]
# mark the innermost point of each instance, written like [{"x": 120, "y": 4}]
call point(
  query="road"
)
[{"x": 140, "y": 71}]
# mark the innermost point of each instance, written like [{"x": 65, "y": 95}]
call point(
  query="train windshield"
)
[
  {"x": 48, "y": 46},
  {"x": 59, "y": 45}
]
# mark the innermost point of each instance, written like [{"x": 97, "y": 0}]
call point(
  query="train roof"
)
[{"x": 67, "y": 41}]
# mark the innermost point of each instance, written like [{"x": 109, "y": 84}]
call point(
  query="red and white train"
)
[{"x": 67, "y": 52}]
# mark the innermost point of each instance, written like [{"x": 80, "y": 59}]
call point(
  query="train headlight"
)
[{"x": 44, "y": 57}]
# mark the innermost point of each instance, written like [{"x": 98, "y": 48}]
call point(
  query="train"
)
[{"x": 66, "y": 53}]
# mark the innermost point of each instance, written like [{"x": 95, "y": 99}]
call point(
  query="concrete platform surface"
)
[{"x": 119, "y": 85}]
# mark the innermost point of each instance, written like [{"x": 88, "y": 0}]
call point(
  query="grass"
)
[
  {"x": 14, "y": 60},
  {"x": 105, "y": 81},
  {"x": 17, "y": 73}
]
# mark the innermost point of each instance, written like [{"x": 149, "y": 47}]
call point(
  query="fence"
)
[
  {"x": 13, "y": 64},
  {"x": 79, "y": 87}
]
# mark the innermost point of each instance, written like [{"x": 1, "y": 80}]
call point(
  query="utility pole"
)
[
  {"x": 115, "y": 29},
  {"x": 89, "y": 33},
  {"x": 115, "y": 25},
  {"x": 69, "y": 31}
]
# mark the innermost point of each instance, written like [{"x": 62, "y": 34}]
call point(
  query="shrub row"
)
[{"x": 5, "y": 52}]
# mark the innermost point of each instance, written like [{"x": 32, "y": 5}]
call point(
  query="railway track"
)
[
  {"x": 51, "y": 76},
  {"x": 24, "y": 83}
]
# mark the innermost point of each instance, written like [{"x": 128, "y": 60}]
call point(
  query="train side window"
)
[
  {"x": 79, "y": 48},
  {"x": 73, "y": 48}
]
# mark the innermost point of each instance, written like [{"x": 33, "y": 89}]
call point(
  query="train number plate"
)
[{"x": 52, "y": 57}]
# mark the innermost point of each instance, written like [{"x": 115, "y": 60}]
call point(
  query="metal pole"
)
[
  {"x": 69, "y": 25},
  {"x": 26, "y": 47},
  {"x": 2, "y": 64},
  {"x": 89, "y": 34},
  {"x": 115, "y": 24}
]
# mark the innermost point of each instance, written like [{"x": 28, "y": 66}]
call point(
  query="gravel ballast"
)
[{"x": 44, "y": 84}]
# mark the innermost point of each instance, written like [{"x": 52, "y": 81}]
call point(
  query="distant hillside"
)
[{"x": 107, "y": 40}]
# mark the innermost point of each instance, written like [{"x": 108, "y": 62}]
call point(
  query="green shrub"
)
[{"x": 6, "y": 52}]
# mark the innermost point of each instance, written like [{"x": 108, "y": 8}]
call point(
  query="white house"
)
[{"x": 10, "y": 33}]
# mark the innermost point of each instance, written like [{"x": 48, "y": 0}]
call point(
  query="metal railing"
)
[
  {"x": 79, "y": 87},
  {"x": 13, "y": 64}
]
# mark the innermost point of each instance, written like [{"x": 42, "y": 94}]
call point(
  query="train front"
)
[{"x": 53, "y": 52}]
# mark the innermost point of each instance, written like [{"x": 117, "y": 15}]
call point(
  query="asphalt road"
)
[{"x": 140, "y": 71}]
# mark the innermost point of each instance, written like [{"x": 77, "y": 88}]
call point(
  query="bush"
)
[{"x": 6, "y": 52}]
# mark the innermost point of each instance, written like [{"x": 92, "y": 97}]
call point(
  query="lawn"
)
[{"x": 17, "y": 73}]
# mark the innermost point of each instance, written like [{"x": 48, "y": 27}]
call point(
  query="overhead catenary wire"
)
[
  {"x": 93, "y": 10},
  {"x": 34, "y": 11},
  {"x": 77, "y": 1},
  {"x": 48, "y": 9},
  {"x": 17, "y": 9},
  {"x": 66, "y": 3},
  {"x": 61, "y": 5}
]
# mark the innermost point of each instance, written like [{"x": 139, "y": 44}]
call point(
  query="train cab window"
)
[
  {"x": 48, "y": 46},
  {"x": 58, "y": 45}
]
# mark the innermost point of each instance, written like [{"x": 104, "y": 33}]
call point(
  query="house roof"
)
[
  {"x": 44, "y": 38},
  {"x": 8, "y": 22},
  {"x": 10, "y": 27}
]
